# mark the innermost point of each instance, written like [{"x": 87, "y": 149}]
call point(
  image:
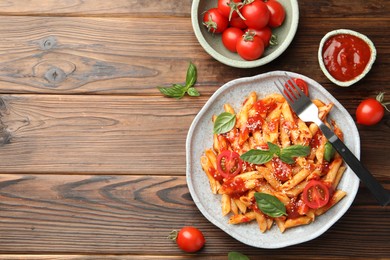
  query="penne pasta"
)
[{"x": 300, "y": 184}]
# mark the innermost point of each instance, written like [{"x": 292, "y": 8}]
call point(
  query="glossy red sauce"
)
[
  {"x": 345, "y": 56},
  {"x": 235, "y": 187}
]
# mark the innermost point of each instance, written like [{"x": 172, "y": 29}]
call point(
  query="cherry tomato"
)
[
  {"x": 282, "y": 171},
  {"x": 256, "y": 14},
  {"x": 229, "y": 163},
  {"x": 369, "y": 112},
  {"x": 238, "y": 23},
  {"x": 229, "y": 8},
  {"x": 265, "y": 34},
  {"x": 215, "y": 21},
  {"x": 301, "y": 84},
  {"x": 250, "y": 46},
  {"x": 189, "y": 239},
  {"x": 230, "y": 37},
  {"x": 277, "y": 13},
  {"x": 316, "y": 194}
]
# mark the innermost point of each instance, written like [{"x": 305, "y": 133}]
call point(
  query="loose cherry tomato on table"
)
[
  {"x": 256, "y": 14},
  {"x": 214, "y": 21},
  {"x": 277, "y": 13},
  {"x": 316, "y": 194},
  {"x": 230, "y": 37},
  {"x": 229, "y": 163},
  {"x": 188, "y": 239},
  {"x": 250, "y": 46},
  {"x": 370, "y": 111}
]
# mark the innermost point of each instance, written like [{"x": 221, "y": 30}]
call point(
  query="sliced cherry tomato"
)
[
  {"x": 256, "y": 14},
  {"x": 316, "y": 194},
  {"x": 301, "y": 84},
  {"x": 214, "y": 21},
  {"x": 230, "y": 37},
  {"x": 282, "y": 171},
  {"x": 277, "y": 13},
  {"x": 250, "y": 46},
  {"x": 229, "y": 163},
  {"x": 369, "y": 112},
  {"x": 265, "y": 34},
  {"x": 189, "y": 239},
  {"x": 229, "y": 8}
]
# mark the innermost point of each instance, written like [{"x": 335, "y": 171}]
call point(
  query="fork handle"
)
[{"x": 379, "y": 192}]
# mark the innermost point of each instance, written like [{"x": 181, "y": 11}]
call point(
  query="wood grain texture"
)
[
  {"x": 112, "y": 215},
  {"x": 92, "y": 156}
]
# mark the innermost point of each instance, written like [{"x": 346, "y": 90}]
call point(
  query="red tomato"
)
[
  {"x": 316, "y": 194},
  {"x": 215, "y": 21},
  {"x": 229, "y": 8},
  {"x": 265, "y": 34},
  {"x": 369, "y": 112},
  {"x": 229, "y": 163},
  {"x": 250, "y": 46},
  {"x": 189, "y": 239},
  {"x": 277, "y": 13},
  {"x": 301, "y": 84},
  {"x": 230, "y": 37},
  {"x": 238, "y": 23},
  {"x": 282, "y": 171},
  {"x": 256, "y": 14}
]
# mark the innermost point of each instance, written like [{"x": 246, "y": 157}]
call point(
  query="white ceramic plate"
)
[{"x": 200, "y": 137}]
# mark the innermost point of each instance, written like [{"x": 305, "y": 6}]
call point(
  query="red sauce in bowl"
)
[{"x": 345, "y": 56}]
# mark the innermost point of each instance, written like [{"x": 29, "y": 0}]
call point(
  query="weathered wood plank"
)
[
  {"x": 121, "y": 214},
  {"x": 134, "y": 55},
  {"x": 135, "y": 8},
  {"x": 117, "y": 134}
]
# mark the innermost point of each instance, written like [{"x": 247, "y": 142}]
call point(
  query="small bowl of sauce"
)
[{"x": 346, "y": 56}]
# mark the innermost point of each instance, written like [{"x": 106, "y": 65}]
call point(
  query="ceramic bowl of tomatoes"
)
[{"x": 245, "y": 33}]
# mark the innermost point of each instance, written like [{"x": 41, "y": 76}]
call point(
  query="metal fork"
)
[{"x": 308, "y": 112}]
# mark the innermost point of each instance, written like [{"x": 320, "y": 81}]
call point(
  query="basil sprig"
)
[
  {"x": 237, "y": 256},
  {"x": 287, "y": 154},
  {"x": 270, "y": 205},
  {"x": 177, "y": 90},
  {"x": 224, "y": 123},
  {"x": 329, "y": 152}
]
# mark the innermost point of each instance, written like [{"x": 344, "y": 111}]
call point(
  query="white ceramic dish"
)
[
  {"x": 200, "y": 137},
  {"x": 366, "y": 70},
  {"x": 212, "y": 44}
]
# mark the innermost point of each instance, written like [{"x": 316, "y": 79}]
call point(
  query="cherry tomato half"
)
[
  {"x": 229, "y": 163},
  {"x": 214, "y": 21},
  {"x": 188, "y": 239},
  {"x": 301, "y": 84},
  {"x": 277, "y": 13},
  {"x": 282, "y": 171},
  {"x": 316, "y": 194},
  {"x": 230, "y": 37},
  {"x": 369, "y": 112}
]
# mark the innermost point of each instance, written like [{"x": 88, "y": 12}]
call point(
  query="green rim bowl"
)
[{"x": 213, "y": 45}]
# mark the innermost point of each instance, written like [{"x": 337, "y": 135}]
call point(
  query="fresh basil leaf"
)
[
  {"x": 237, "y": 256},
  {"x": 191, "y": 75},
  {"x": 270, "y": 205},
  {"x": 257, "y": 156},
  {"x": 176, "y": 91},
  {"x": 288, "y": 154},
  {"x": 329, "y": 152},
  {"x": 193, "y": 92},
  {"x": 224, "y": 123},
  {"x": 273, "y": 148}
]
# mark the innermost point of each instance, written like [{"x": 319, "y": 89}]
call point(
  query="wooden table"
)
[{"x": 92, "y": 156}]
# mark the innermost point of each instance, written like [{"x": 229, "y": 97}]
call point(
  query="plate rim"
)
[{"x": 208, "y": 104}]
